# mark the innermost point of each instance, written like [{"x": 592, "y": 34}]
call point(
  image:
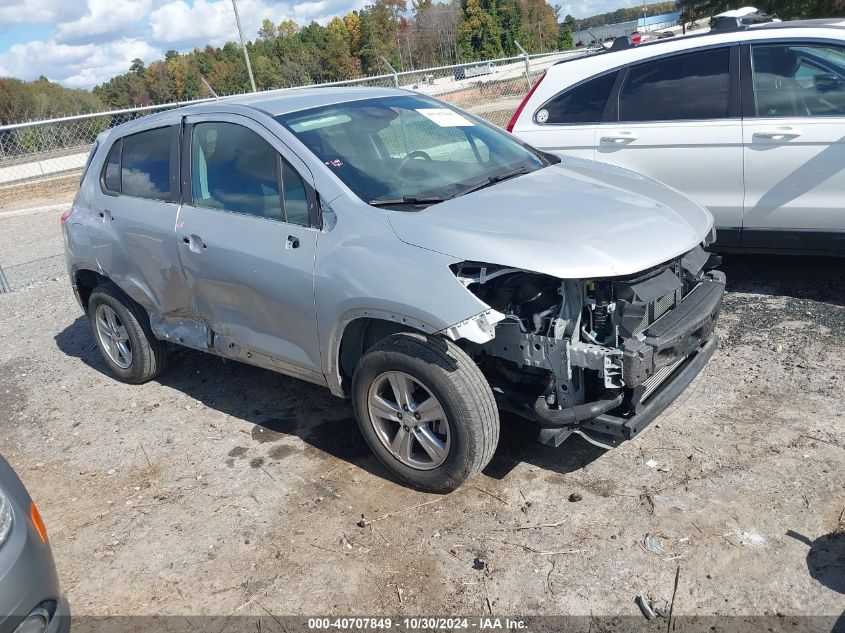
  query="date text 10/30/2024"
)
[{"x": 419, "y": 623}]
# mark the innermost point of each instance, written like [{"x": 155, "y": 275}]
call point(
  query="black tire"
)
[
  {"x": 148, "y": 354},
  {"x": 461, "y": 389}
]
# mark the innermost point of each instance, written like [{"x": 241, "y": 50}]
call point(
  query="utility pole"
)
[{"x": 243, "y": 45}]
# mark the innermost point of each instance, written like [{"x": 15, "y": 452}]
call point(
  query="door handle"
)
[
  {"x": 194, "y": 243},
  {"x": 618, "y": 139},
  {"x": 779, "y": 134},
  {"x": 292, "y": 242}
]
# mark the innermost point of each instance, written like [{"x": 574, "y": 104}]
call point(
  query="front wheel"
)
[{"x": 425, "y": 410}]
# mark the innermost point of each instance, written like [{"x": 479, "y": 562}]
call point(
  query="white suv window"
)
[
  {"x": 582, "y": 104},
  {"x": 797, "y": 80},
  {"x": 693, "y": 86}
]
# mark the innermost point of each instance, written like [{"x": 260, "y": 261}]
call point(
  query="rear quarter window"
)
[
  {"x": 111, "y": 170},
  {"x": 582, "y": 104},
  {"x": 91, "y": 154}
]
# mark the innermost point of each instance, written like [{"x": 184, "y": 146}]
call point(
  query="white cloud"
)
[
  {"x": 18, "y": 11},
  {"x": 94, "y": 40},
  {"x": 212, "y": 21},
  {"x": 178, "y": 22},
  {"x": 75, "y": 66},
  {"x": 104, "y": 17}
]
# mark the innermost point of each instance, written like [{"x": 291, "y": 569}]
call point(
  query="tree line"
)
[
  {"x": 42, "y": 99},
  {"x": 355, "y": 45}
]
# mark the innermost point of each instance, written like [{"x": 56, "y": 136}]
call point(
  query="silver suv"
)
[{"x": 402, "y": 253}]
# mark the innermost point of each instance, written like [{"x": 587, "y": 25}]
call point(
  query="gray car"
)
[
  {"x": 30, "y": 600},
  {"x": 400, "y": 252}
]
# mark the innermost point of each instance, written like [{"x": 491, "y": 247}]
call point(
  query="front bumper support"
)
[
  {"x": 609, "y": 430},
  {"x": 678, "y": 334}
]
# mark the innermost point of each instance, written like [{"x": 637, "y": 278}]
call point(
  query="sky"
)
[{"x": 81, "y": 43}]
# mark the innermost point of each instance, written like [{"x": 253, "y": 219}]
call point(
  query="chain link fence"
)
[{"x": 490, "y": 89}]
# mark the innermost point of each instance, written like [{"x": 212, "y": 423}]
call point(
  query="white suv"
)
[{"x": 749, "y": 123}]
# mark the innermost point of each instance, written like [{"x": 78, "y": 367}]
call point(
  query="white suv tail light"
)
[{"x": 516, "y": 114}]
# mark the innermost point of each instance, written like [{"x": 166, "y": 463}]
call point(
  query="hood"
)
[{"x": 576, "y": 219}]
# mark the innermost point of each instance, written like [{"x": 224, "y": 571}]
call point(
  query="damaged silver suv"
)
[{"x": 402, "y": 253}]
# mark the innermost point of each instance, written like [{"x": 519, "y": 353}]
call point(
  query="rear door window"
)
[
  {"x": 582, "y": 104},
  {"x": 145, "y": 165},
  {"x": 693, "y": 86}
]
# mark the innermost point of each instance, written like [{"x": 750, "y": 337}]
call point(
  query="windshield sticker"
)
[
  {"x": 334, "y": 163},
  {"x": 445, "y": 118}
]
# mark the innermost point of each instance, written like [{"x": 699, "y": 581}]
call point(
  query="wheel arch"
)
[
  {"x": 358, "y": 331},
  {"x": 85, "y": 281}
]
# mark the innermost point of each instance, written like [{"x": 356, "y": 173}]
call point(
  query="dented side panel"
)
[{"x": 131, "y": 240}]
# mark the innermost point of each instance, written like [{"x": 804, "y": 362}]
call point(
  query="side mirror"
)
[{"x": 825, "y": 82}]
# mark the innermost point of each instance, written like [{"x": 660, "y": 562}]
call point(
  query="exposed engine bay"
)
[{"x": 588, "y": 356}]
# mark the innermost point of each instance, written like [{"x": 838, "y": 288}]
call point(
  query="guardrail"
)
[{"x": 492, "y": 89}]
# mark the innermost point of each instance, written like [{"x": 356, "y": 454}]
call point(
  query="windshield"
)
[{"x": 409, "y": 149}]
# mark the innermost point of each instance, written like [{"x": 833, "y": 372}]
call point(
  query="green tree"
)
[
  {"x": 479, "y": 35},
  {"x": 379, "y": 29},
  {"x": 137, "y": 67},
  {"x": 267, "y": 73},
  {"x": 353, "y": 29},
  {"x": 510, "y": 21},
  {"x": 267, "y": 30},
  {"x": 564, "y": 40},
  {"x": 340, "y": 64},
  {"x": 540, "y": 30}
]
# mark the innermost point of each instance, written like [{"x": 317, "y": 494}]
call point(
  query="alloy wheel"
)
[
  {"x": 113, "y": 336},
  {"x": 409, "y": 420}
]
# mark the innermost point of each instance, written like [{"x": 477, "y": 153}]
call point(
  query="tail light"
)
[
  {"x": 516, "y": 114},
  {"x": 65, "y": 216}
]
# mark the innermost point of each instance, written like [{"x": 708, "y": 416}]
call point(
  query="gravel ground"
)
[{"x": 222, "y": 489}]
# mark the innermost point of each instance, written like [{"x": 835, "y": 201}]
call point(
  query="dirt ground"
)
[
  {"x": 59, "y": 189},
  {"x": 225, "y": 489}
]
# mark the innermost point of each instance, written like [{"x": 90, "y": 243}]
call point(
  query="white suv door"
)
[
  {"x": 676, "y": 118},
  {"x": 794, "y": 145}
]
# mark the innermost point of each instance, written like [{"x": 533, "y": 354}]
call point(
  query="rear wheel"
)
[
  {"x": 425, "y": 410},
  {"x": 123, "y": 334}
]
